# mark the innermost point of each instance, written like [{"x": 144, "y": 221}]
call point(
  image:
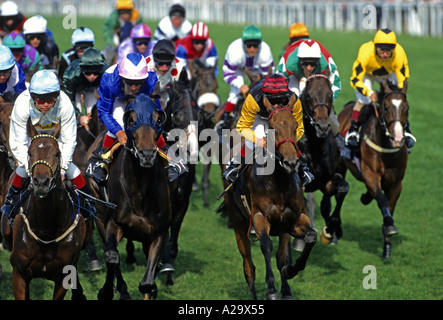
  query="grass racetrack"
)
[{"x": 209, "y": 266}]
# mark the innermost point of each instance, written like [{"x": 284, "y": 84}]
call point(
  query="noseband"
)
[
  {"x": 287, "y": 139},
  {"x": 309, "y": 112}
]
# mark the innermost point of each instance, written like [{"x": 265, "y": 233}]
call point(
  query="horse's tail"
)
[{"x": 222, "y": 209}]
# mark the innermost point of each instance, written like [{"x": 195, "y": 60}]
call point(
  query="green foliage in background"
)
[{"x": 209, "y": 265}]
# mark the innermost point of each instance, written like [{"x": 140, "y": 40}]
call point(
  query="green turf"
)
[{"x": 209, "y": 265}]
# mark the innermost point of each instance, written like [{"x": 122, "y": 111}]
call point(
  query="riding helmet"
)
[
  {"x": 14, "y": 40},
  {"x": 35, "y": 24},
  {"x": 309, "y": 49},
  {"x": 7, "y": 60},
  {"x": 133, "y": 67},
  {"x": 385, "y": 39},
  {"x": 8, "y": 9},
  {"x": 177, "y": 10},
  {"x": 298, "y": 29},
  {"x": 44, "y": 84},
  {"x": 124, "y": 5},
  {"x": 92, "y": 60},
  {"x": 141, "y": 31},
  {"x": 251, "y": 32},
  {"x": 200, "y": 31},
  {"x": 164, "y": 51},
  {"x": 83, "y": 37}
]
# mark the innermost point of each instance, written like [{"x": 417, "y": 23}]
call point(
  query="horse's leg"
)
[
  {"x": 77, "y": 294},
  {"x": 205, "y": 184},
  {"x": 282, "y": 260},
  {"x": 59, "y": 290},
  {"x": 130, "y": 249},
  {"x": 342, "y": 188},
  {"x": 20, "y": 285},
  {"x": 147, "y": 286},
  {"x": 393, "y": 195},
  {"x": 303, "y": 228},
  {"x": 244, "y": 247},
  {"x": 327, "y": 233},
  {"x": 262, "y": 228}
]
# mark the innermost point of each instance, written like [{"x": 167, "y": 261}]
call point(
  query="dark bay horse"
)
[
  {"x": 384, "y": 155},
  {"x": 273, "y": 202},
  {"x": 49, "y": 232},
  {"x": 320, "y": 150},
  {"x": 138, "y": 185},
  {"x": 204, "y": 85},
  {"x": 181, "y": 131}
]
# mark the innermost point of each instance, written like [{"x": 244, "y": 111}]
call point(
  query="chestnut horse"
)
[
  {"x": 138, "y": 185},
  {"x": 384, "y": 155},
  {"x": 49, "y": 232},
  {"x": 320, "y": 150},
  {"x": 273, "y": 202}
]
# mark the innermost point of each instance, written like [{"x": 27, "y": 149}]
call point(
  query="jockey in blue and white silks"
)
[{"x": 12, "y": 77}]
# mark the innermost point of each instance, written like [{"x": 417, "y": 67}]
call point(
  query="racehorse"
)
[
  {"x": 204, "y": 85},
  {"x": 383, "y": 154},
  {"x": 321, "y": 153},
  {"x": 181, "y": 128},
  {"x": 273, "y": 202},
  {"x": 49, "y": 232},
  {"x": 138, "y": 185}
]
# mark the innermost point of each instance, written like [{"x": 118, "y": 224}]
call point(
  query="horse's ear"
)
[
  {"x": 175, "y": 89},
  {"x": 31, "y": 129},
  {"x": 196, "y": 90},
  {"x": 57, "y": 130},
  {"x": 386, "y": 88},
  {"x": 191, "y": 69},
  {"x": 327, "y": 72},
  {"x": 156, "y": 91},
  {"x": 292, "y": 101},
  {"x": 267, "y": 103},
  {"x": 159, "y": 117},
  {"x": 405, "y": 87},
  {"x": 129, "y": 118}
]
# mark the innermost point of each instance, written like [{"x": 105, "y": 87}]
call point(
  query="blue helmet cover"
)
[{"x": 144, "y": 107}]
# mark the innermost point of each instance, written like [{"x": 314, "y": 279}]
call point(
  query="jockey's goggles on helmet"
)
[
  {"x": 88, "y": 73},
  {"x": 139, "y": 42},
  {"x": 17, "y": 51},
  {"x": 198, "y": 41},
  {"x": 6, "y": 73},
  {"x": 252, "y": 43},
  {"x": 123, "y": 11},
  {"x": 130, "y": 82},
  {"x": 32, "y": 36},
  {"x": 309, "y": 62},
  {"x": 385, "y": 46},
  {"x": 163, "y": 63}
]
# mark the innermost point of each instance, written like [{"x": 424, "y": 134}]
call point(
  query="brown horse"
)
[
  {"x": 321, "y": 153},
  {"x": 204, "y": 85},
  {"x": 138, "y": 185},
  {"x": 49, "y": 232},
  {"x": 384, "y": 155},
  {"x": 273, "y": 202}
]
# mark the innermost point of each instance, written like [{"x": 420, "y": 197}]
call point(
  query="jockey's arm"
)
[
  {"x": 297, "y": 112},
  {"x": 247, "y": 117},
  {"x": 18, "y": 136},
  {"x": 68, "y": 133}
]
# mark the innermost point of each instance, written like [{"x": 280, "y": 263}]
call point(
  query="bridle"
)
[
  {"x": 309, "y": 111},
  {"x": 54, "y": 173},
  {"x": 287, "y": 139}
]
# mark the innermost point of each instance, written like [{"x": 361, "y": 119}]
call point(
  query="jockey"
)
[
  {"x": 138, "y": 41},
  {"x": 81, "y": 81},
  {"x": 12, "y": 77},
  {"x": 197, "y": 45},
  {"x": 174, "y": 26},
  {"x": 253, "y": 122},
  {"x": 46, "y": 107},
  {"x": 166, "y": 66},
  {"x": 297, "y": 31},
  {"x": 37, "y": 35},
  {"x": 127, "y": 78},
  {"x": 10, "y": 18},
  {"x": 248, "y": 51},
  {"x": 305, "y": 58},
  {"x": 25, "y": 55},
  {"x": 118, "y": 25},
  {"x": 378, "y": 60},
  {"x": 81, "y": 39}
]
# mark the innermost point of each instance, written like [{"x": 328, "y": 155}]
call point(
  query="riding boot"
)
[
  {"x": 88, "y": 208},
  {"x": 305, "y": 175},
  {"x": 175, "y": 168},
  {"x": 352, "y": 137},
  {"x": 98, "y": 166},
  {"x": 11, "y": 200},
  {"x": 233, "y": 167}
]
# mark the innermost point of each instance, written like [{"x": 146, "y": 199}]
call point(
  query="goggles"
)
[
  {"x": 141, "y": 42},
  {"x": 199, "y": 41},
  {"x": 163, "y": 63},
  {"x": 253, "y": 44},
  {"x": 306, "y": 63},
  {"x": 88, "y": 73},
  {"x": 130, "y": 82},
  {"x": 34, "y": 36},
  {"x": 43, "y": 100}
]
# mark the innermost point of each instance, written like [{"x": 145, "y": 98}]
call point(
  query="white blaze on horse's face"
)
[
  {"x": 192, "y": 142},
  {"x": 398, "y": 128}
]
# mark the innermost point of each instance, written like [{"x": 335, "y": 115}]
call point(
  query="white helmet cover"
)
[{"x": 309, "y": 49}]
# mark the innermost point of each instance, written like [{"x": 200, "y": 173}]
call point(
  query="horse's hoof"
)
[
  {"x": 325, "y": 237},
  {"x": 101, "y": 295},
  {"x": 386, "y": 251},
  {"x": 272, "y": 296},
  {"x": 389, "y": 230},
  {"x": 366, "y": 198},
  {"x": 287, "y": 297},
  {"x": 95, "y": 265}
]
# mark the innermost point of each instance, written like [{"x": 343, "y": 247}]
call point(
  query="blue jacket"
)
[
  {"x": 16, "y": 82},
  {"x": 111, "y": 87}
]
